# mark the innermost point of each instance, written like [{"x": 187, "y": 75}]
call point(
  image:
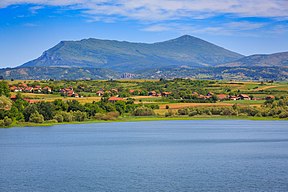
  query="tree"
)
[
  {"x": 7, "y": 121},
  {"x": 143, "y": 111},
  {"x": 36, "y": 118},
  {"x": 46, "y": 109},
  {"x": 30, "y": 109},
  {"x": 4, "y": 89},
  {"x": 120, "y": 106},
  {"x": 60, "y": 105},
  {"x": 79, "y": 116},
  {"x": 75, "y": 105},
  {"x": 59, "y": 118}
]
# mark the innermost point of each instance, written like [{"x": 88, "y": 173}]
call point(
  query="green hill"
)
[
  {"x": 261, "y": 60},
  {"x": 129, "y": 57}
]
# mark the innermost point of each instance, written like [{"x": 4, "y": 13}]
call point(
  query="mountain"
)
[
  {"x": 228, "y": 73},
  {"x": 37, "y": 73},
  {"x": 262, "y": 60},
  {"x": 124, "y": 56}
]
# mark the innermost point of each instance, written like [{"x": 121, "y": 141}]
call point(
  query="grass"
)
[{"x": 151, "y": 118}]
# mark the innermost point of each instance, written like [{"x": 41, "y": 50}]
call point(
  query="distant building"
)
[
  {"x": 234, "y": 98},
  {"x": 115, "y": 99},
  {"x": 37, "y": 89},
  {"x": 152, "y": 93},
  {"x": 100, "y": 93},
  {"x": 244, "y": 97},
  {"x": 165, "y": 94},
  {"x": 47, "y": 89},
  {"x": 28, "y": 89},
  {"x": 270, "y": 97},
  {"x": 127, "y": 75},
  {"x": 222, "y": 96}
]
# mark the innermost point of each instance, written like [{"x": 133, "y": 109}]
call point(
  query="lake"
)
[{"x": 176, "y": 156}]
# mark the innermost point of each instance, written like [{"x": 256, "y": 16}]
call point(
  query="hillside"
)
[
  {"x": 57, "y": 73},
  {"x": 272, "y": 60},
  {"x": 129, "y": 57},
  {"x": 228, "y": 73}
]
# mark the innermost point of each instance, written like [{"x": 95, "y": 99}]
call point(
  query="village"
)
[
  {"x": 114, "y": 93},
  {"x": 68, "y": 101}
]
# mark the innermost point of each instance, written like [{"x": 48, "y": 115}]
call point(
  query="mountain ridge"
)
[
  {"x": 275, "y": 59},
  {"x": 129, "y": 56}
]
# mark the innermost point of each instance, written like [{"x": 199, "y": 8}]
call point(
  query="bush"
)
[
  {"x": 52, "y": 121},
  {"x": 143, "y": 111},
  {"x": 283, "y": 115},
  {"x": 1, "y": 123},
  {"x": 184, "y": 111},
  {"x": 59, "y": 118},
  {"x": 169, "y": 113},
  {"x": 79, "y": 116},
  {"x": 36, "y": 118},
  {"x": 193, "y": 113},
  {"x": 67, "y": 117},
  {"x": 107, "y": 116}
]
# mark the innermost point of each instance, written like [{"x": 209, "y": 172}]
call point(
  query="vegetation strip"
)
[{"x": 30, "y": 103}]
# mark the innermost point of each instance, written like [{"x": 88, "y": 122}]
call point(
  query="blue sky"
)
[{"x": 29, "y": 27}]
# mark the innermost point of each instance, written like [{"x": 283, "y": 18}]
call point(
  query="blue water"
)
[{"x": 146, "y": 156}]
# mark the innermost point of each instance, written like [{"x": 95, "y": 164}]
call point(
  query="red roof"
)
[
  {"x": 115, "y": 99},
  {"x": 244, "y": 95},
  {"x": 222, "y": 96},
  {"x": 32, "y": 101}
]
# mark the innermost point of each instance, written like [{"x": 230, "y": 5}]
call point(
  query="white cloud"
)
[
  {"x": 161, "y": 10},
  {"x": 35, "y": 9},
  {"x": 244, "y": 25},
  {"x": 157, "y": 28}
]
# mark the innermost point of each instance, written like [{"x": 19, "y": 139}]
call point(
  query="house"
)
[
  {"x": 70, "y": 93},
  {"x": 152, "y": 93},
  {"x": 244, "y": 97},
  {"x": 270, "y": 97},
  {"x": 46, "y": 90},
  {"x": 114, "y": 90},
  {"x": 13, "y": 97},
  {"x": 37, "y": 89},
  {"x": 13, "y": 88},
  {"x": 165, "y": 94},
  {"x": 28, "y": 89},
  {"x": 222, "y": 96},
  {"x": 67, "y": 92},
  {"x": 131, "y": 91},
  {"x": 23, "y": 85},
  {"x": 207, "y": 96},
  {"x": 201, "y": 96},
  {"x": 115, "y": 99},
  {"x": 234, "y": 98},
  {"x": 100, "y": 93},
  {"x": 32, "y": 101},
  {"x": 210, "y": 94},
  {"x": 195, "y": 93}
]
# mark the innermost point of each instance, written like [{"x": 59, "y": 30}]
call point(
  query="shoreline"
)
[{"x": 143, "y": 119}]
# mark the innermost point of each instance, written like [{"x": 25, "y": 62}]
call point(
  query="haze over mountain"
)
[
  {"x": 124, "y": 56},
  {"x": 263, "y": 60}
]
